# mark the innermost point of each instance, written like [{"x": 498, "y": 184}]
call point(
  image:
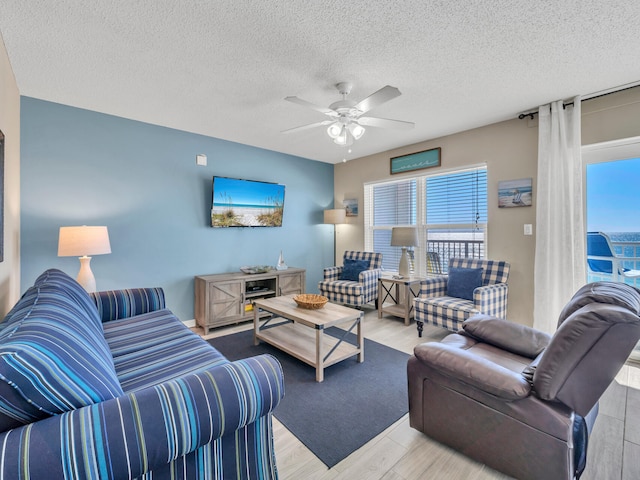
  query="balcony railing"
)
[
  {"x": 627, "y": 252},
  {"x": 447, "y": 249}
]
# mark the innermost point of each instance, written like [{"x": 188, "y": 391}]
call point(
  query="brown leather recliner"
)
[{"x": 519, "y": 400}]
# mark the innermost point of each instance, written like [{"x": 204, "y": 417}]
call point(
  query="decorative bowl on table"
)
[
  {"x": 256, "y": 269},
  {"x": 310, "y": 301}
]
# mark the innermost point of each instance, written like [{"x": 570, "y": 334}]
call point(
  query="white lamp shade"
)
[
  {"x": 83, "y": 241},
  {"x": 404, "y": 237},
  {"x": 335, "y": 216}
]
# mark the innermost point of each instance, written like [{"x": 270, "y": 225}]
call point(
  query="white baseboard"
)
[{"x": 190, "y": 323}]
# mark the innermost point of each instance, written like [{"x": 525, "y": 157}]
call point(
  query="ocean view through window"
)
[{"x": 613, "y": 208}]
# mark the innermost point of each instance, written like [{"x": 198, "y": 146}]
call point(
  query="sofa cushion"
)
[
  {"x": 463, "y": 281},
  {"x": 447, "y": 312},
  {"x": 342, "y": 287},
  {"x": 352, "y": 268},
  {"x": 53, "y": 356},
  {"x": 155, "y": 347}
]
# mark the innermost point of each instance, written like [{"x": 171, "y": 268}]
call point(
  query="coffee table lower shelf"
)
[
  {"x": 301, "y": 333},
  {"x": 301, "y": 342}
]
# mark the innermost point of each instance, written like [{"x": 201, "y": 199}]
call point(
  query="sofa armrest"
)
[
  {"x": 332, "y": 273},
  {"x": 492, "y": 299},
  {"x": 116, "y": 304},
  {"x": 433, "y": 287},
  {"x": 130, "y": 435},
  {"x": 513, "y": 337},
  {"x": 473, "y": 370}
]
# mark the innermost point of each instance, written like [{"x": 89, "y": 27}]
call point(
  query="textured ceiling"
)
[{"x": 223, "y": 67}]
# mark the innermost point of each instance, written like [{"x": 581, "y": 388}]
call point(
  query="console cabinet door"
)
[
  {"x": 290, "y": 284},
  {"x": 226, "y": 301}
]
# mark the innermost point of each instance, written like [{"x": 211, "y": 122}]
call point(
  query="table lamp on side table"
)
[
  {"x": 82, "y": 242},
  {"x": 404, "y": 237}
]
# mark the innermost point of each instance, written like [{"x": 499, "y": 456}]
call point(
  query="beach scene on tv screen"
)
[{"x": 246, "y": 203}]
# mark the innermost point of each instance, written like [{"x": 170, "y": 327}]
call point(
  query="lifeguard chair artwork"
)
[{"x": 515, "y": 193}]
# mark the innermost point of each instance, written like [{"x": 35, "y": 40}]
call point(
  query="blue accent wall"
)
[{"x": 80, "y": 167}]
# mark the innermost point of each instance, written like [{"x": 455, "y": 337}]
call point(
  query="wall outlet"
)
[
  {"x": 201, "y": 159},
  {"x": 528, "y": 229}
]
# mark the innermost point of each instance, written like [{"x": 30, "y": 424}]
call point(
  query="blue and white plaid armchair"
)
[
  {"x": 434, "y": 306},
  {"x": 348, "y": 292}
]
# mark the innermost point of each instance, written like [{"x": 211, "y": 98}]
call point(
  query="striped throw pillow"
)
[{"x": 53, "y": 358}]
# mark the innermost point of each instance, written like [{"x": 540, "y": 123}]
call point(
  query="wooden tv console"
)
[{"x": 227, "y": 298}]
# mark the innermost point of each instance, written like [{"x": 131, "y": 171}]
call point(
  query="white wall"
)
[
  {"x": 510, "y": 151},
  {"x": 10, "y": 126}
]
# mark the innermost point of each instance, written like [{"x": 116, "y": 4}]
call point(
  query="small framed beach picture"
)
[
  {"x": 351, "y": 207},
  {"x": 515, "y": 193}
]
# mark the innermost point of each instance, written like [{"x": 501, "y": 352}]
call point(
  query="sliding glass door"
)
[{"x": 612, "y": 206}]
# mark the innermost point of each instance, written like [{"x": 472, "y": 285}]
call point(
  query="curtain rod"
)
[{"x": 591, "y": 96}]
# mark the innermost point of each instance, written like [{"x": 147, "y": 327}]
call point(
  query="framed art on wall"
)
[
  {"x": 416, "y": 161},
  {"x": 351, "y": 207},
  {"x": 515, "y": 193}
]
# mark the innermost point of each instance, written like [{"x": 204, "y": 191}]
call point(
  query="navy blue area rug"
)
[{"x": 356, "y": 401}]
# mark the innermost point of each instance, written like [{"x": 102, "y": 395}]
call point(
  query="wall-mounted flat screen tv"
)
[{"x": 246, "y": 203}]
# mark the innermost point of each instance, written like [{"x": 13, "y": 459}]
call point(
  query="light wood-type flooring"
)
[{"x": 401, "y": 453}]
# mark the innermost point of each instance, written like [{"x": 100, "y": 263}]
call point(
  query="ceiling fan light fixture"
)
[
  {"x": 346, "y": 122},
  {"x": 334, "y": 130},
  {"x": 356, "y": 130},
  {"x": 345, "y": 138}
]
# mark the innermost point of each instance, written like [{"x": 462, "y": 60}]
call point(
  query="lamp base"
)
[
  {"x": 403, "y": 268},
  {"x": 85, "y": 275}
]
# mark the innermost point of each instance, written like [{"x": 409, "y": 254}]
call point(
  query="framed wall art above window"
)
[{"x": 416, "y": 161}]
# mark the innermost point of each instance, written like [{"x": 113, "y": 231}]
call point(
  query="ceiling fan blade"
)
[
  {"x": 306, "y": 127},
  {"x": 378, "y": 98},
  {"x": 304, "y": 103},
  {"x": 385, "y": 123}
]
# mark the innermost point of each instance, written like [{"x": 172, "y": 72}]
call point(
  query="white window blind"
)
[
  {"x": 394, "y": 204},
  {"x": 456, "y": 208},
  {"x": 449, "y": 210}
]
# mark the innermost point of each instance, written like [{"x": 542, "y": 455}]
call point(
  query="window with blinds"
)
[
  {"x": 394, "y": 204},
  {"x": 449, "y": 210}
]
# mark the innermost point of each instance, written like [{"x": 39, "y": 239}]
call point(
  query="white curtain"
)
[{"x": 560, "y": 262}]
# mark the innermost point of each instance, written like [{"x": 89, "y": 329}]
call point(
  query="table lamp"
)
[
  {"x": 82, "y": 242},
  {"x": 335, "y": 217},
  {"x": 404, "y": 237}
]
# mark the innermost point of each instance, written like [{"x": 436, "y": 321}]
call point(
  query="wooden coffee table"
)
[{"x": 300, "y": 332}]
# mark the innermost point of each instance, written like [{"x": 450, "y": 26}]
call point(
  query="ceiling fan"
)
[{"x": 346, "y": 122}]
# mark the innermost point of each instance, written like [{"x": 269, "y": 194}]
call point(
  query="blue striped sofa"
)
[
  {"x": 113, "y": 386},
  {"x": 434, "y": 305}
]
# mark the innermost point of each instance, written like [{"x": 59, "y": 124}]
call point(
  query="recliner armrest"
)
[
  {"x": 513, "y": 337},
  {"x": 473, "y": 370}
]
